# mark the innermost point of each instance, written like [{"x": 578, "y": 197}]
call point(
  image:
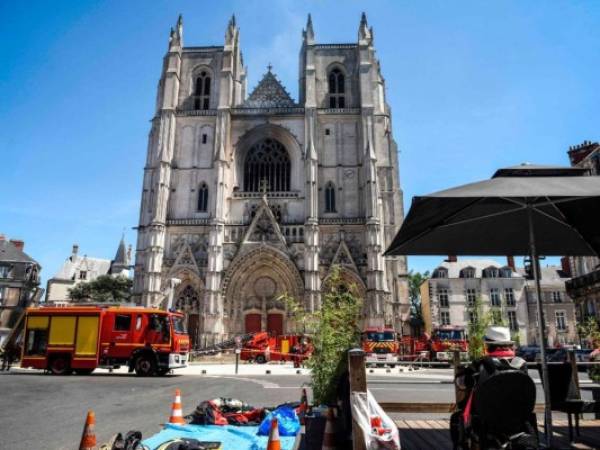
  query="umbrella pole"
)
[{"x": 542, "y": 329}]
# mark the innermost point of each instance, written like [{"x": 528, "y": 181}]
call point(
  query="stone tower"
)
[{"x": 247, "y": 197}]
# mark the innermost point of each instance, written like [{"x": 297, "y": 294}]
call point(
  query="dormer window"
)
[
  {"x": 337, "y": 97},
  {"x": 467, "y": 272},
  {"x": 5, "y": 271},
  {"x": 490, "y": 272},
  {"x": 506, "y": 272},
  {"x": 440, "y": 272},
  {"x": 202, "y": 91}
]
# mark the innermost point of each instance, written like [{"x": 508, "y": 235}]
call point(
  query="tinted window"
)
[
  {"x": 122, "y": 322},
  {"x": 450, "y": 334}
]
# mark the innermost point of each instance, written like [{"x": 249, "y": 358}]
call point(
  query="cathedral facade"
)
[{"x": 250, "y": 196}]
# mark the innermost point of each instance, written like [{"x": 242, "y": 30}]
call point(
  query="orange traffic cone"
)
[
  {"x": 176, "y": 411},
  {"x": 274, "y": 443},
  {"x": 88, "y": 438},
  {"x": 329, "y": 434}
]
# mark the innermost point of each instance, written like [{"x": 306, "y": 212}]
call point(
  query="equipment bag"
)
[
  {"x": 379, "y": 431},
  {"x": 289, "y": 424}
]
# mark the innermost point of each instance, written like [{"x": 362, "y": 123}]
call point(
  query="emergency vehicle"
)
[
  {"x": 82, "y": 338},
  {"x": 262, "y": 347},
  {"x": 441, "y": 345},
  {"x": 380, "y": 345}
]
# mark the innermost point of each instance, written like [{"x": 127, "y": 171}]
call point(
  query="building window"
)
[
  {"x": 473, "y": 316},
  {"x": 82, "y": 275},
  {"x": 5, "y": 271},
  {"x": 203, "y": 198},
  {"x": 509, "y": 294},
  {"x": 337, "y": 98},
  {"x": 495, "y": 297},
  {"x": 267, "y": 167},
  {"x": 443, "y": 298},
  {"x": 440, "y": 272},
  {"x": 444, "y": 317},
  {"x": 490, "y": 272},
  {"x": 469, "y": 272},
  {"x": 506, "y": 272},
  {"x": 330, "y": 198},
  {"x": 122, "y": 322},
  {"x": 497, "y": 316},
  {"x": 561, "y": 321},
  {"x": 556, "y": 297},
  {"x": 327, "y": 131},
  {"x": 204, "y": 138},
  {"x": 202, "y": 91},
  {"x": 2, "y": 289},
  {"x": 471, "y": 297},
  {"x": 512, "y": 320}
]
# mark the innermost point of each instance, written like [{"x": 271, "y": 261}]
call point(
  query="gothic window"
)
[
  {"x": 203, "y": 198},
  {"x": 188, "y": 299},
  {"x": 267, "y": 167},
  {"x": 337, "y": 98},
  {"x": 330, "y": 198},
  {"x": 202, "y": 91}
]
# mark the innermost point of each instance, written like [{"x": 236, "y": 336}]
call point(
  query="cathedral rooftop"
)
[{"x": 269, "y": 93}]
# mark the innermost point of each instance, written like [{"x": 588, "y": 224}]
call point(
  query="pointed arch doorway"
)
[{"x": 253, "y": 286}]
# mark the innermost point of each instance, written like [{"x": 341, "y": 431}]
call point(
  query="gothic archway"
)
[{"x": 252, "y": 286}]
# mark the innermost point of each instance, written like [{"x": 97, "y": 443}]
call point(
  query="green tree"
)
[
  {"x": 334, "y": 329},
  {"x": 590, "y": 331},
  {"x": 104, "y": 289},
  {"x": 415, "y": 280},
  {"x": 478, "y": 323}
]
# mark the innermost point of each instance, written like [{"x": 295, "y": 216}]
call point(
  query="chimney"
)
[
  {"x": 510, "y": 262},
  {"x": 18, "y": 243},
  {"x": 74, "y": 252},
  {"x": 566, "y": 266},
  {"x": 451, "y": 258}
]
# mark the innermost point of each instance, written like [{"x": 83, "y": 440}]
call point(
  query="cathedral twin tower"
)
[{"x": 247, "y": 197}]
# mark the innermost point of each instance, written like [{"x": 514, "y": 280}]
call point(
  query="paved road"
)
[{"x": 44, "y": 411}]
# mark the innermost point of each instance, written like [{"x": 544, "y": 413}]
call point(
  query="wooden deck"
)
[{"x": 435, "y": 434}]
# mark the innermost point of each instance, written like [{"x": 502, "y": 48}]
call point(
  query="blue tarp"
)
[{"x": 232, "y": 437}]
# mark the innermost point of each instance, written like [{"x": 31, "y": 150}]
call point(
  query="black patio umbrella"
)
[{"x": 522, "y": 210}]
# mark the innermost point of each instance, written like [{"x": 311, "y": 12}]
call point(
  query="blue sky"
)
[{"x": 472, "y": 85}]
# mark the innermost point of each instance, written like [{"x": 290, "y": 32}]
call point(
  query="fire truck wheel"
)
[
  {"x": 59, "y": 365},
  {"x": 145, "y": 366},
  {"x": 260, "y": 359}
]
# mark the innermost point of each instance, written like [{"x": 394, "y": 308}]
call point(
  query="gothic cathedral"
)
[{"x": 247, "y": 197}]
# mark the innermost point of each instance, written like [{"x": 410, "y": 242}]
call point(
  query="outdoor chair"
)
[
  {"x": 503, "y": 405},
  {"x": 565, "y": 396}
]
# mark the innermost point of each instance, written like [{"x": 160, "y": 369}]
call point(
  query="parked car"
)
[
  {"x": 560, "y": 355},
  {"x": 528, "y": 352}
]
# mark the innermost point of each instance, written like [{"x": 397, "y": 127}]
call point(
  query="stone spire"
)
[
  {"x": 176, "y": 35},
  {"x": 232, "y": 31},
  {"x": 309, "y": 34},
  {"x": 364, "y": 33}
]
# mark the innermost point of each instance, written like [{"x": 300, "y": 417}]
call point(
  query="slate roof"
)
[
  {"x": 10, "y": 253},
  {"x": 551, "y": 276},
  {"x": 479, "y": 265},
  {"x": 269, "y": 94},
  {"x": 72, "y": 265}
]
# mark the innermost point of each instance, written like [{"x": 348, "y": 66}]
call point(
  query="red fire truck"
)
[
  {"x": 262, "y": 347},
  {"x": 440, "y": 346},
  {"x": 81, "y": 338},
  {"x": 380, "y": 345}
]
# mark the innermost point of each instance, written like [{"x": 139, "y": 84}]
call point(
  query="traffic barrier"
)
[
  {"x": 329, "y": 434},
  {"x": 274, "y": 442},
  {"x": 176, "y": 410},
  {"x": 88, "y": 437}
]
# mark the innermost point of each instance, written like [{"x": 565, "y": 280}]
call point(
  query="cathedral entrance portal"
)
[{"x": 255, "y": 284}]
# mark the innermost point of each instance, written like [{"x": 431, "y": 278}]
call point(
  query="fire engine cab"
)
[
  {"x": 82, "y": 338},
  {"x": 380, "y": 345}
]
